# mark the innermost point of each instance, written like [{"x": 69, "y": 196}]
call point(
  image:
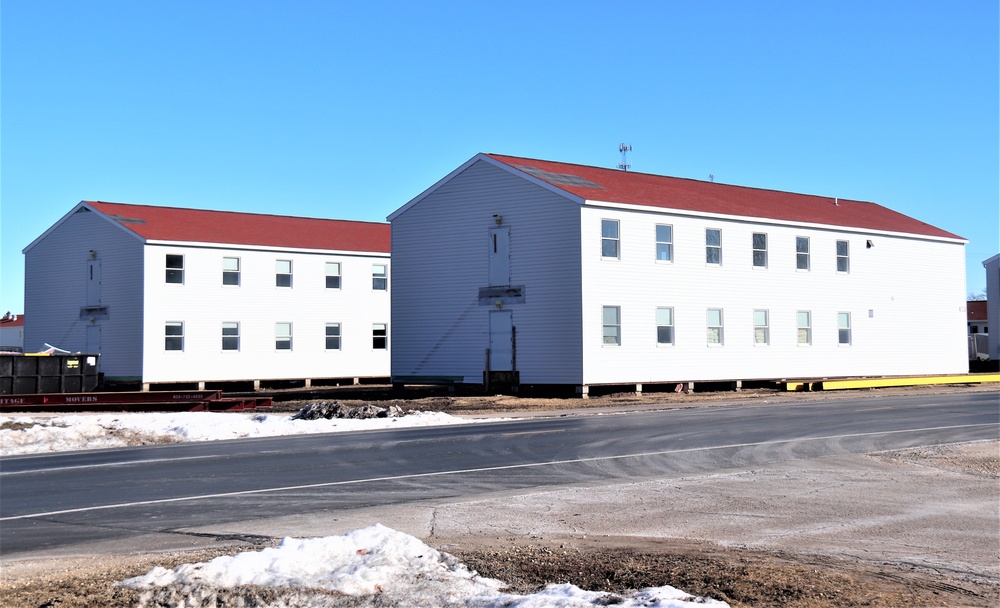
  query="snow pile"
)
[
  {"x": 38, "y": 434},
  {"x": 391, "y": 568}
]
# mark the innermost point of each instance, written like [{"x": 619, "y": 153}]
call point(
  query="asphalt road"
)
[{"x": 53, "y": 503}]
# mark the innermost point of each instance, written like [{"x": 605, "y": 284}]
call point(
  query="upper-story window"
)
[
  {"x": 843, "y": 256},
  {"x": 175, "y": 268},
  {"x": 664, "y": 243},
  {"x": 230, "y": 271},
  {"x": 380, "y": 277},
  {"x": 333, "y": 275},
  {"x": 802, "y": 252},
  {"x": 609, "y": 239},
  {"x": 713, "y": 246},
  {"x": 759, "y": 250},
  {"x": 283, "y": 273}
]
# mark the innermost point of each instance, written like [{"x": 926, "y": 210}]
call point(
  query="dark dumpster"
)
[{"x": 47, "y": 373}]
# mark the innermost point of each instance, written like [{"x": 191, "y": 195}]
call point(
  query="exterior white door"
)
[
  {"x": 501, "y": 341},
  {"x": 499, "y": 255}
]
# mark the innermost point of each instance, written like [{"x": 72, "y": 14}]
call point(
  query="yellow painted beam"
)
[{"x": 829, "y": 385}]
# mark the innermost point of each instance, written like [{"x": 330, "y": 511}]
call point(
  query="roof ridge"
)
[{"x": 253, "y": 213}]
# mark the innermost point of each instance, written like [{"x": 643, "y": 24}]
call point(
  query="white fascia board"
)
[
  {"x": 770, "y": 221},
  {"x": 469, "y": 163},
  {"x": 242, "y": 247},
  {"x": 73, "y": 211}
]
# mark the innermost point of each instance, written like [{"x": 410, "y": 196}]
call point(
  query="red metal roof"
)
[
  {"x": 977, "y": 310},
  {"x": 228, "y": 227},
  {"x": 628, "y": 187},
  {"x": 12, "y": 320}
]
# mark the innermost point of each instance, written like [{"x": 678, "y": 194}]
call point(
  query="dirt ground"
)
[{"x": 744, "y": 577}]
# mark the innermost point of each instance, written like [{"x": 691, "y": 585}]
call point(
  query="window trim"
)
[
  {"x": 616, "y": 239},
  {"x": 383, "y": 277},
  {"x": 338, "y": 276},
  {"x": 237, "y": 273},
  {"x": 168, "y": 338},
  {"x": 671, "y": 326},
  {"x": 755, "y": 250},
  {"x": 230, "y": 337},
  {"x": 283, "y": 338},
  {"x": 709, "y": 247},
  {"x": 807, "y": 327},
  {"x": 278, "y": 274},
  {"x": 806, "y": 253},
  {"x": 617, "y": 325},
  {"x": 766, "y": 327},
  {"x": 339, "y": 336},
  {"x": 846, "y": 257},
  {"x": 177, "y": 271},
  {"x": 720, "y": 327},
  {"x": 848, "y": 329},
  {"x": 667, "y": 244}
]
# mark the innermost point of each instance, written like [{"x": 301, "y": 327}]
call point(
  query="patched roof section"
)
[
  {"x": 232, "y": 228},
  {"x": 632, "y": 188}
]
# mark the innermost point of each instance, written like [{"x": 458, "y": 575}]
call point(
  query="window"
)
[
  {"x": 283, "y": 336},
  {"x": 333, "y": 336},
  {"x": 283, "y": 273},
  {"x": 802, "y": 253},
  {"x": 761, "y": 331},
  {"x": 380, "y": 336},
  {"x": 664, "y": 325},
  {"x": 380, "y": 280},
  {"x": 843, "y": 256},
  {"x": 230, "y": 271},
  {"x": 714, "y": 319},
  {"x": 713, "y": 246},
  {"x": 804, "y": 323},
  {"x": 175, "y": 268},
  {"x": 664, "y": 243},
  {"x": 759, "y": 250},
  {"x": 230, "y": 335},
  {"x": 843, "y": 328},
  {"x": 333, "y": 275},
  {"x": 611, "y": 316},
  {"x": 609, "y": 239},
  {"x": 173, "y": 336}
]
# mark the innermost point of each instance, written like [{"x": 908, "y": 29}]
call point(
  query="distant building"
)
[
  {"x": 977, "y": 316},
  {"x": 548, "y": 273},
  {"x": 11, "y": 332},
  {"x": 177, "y": 296},
  {"x": 992, "y": 266}
]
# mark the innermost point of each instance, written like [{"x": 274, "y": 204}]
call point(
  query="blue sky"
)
[{"x": 349, "y": 109}]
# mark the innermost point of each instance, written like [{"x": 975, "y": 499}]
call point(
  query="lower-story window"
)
[
  {"x": 230, "y": 335},
  {"x": 761, "y": 331},
  {"x": 612, "y": 318},
  {"x": 803, "y": 320},
  {"x": 173, "y": 335},
  {"x": 333, "y": 336},
  {"x": 714, "y": 323},
  {"x": 844, "y": 327},
  {"x": 380, "y": 336},
  {"x": 665, "y": 325},
  {"x": 283, "y": 336}
]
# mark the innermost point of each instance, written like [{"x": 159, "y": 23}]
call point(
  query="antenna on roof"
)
[
  {"x": 711, "y": 177},
  {"x": 624, "y": 149}
]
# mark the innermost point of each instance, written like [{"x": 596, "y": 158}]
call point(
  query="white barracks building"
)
[
  {"x": 185, "y": 296},
  {"x": 544, "y": 273}
]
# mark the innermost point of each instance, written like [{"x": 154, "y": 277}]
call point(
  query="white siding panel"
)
[
  {"x": 56, "y": 289},
  {"x": 914, "y": 289},
  {"x": 203, "y": 303},
  {"x": 440, "y": 255}
]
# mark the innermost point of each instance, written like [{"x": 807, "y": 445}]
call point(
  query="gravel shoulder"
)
[{"x": 917, "y": 527}]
